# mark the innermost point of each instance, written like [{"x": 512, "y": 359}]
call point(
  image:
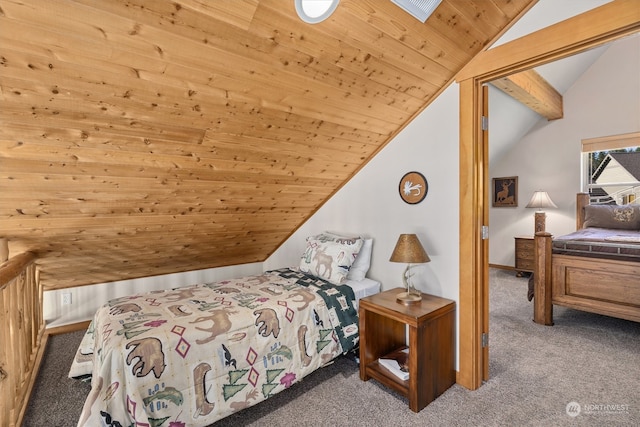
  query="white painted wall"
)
[
  {"x": 370, "y": 204},
  {"x": 604, "y": 101}
]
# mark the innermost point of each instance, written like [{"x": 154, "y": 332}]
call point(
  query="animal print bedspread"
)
[{"x": 192, "y": 355}]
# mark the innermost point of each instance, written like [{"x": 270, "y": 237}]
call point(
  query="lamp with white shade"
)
[
  {"x": 540, "y": 200},
  {"x": 408, "y": 249}
]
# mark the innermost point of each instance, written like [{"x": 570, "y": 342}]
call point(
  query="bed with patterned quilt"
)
[{"x": 193, "y": 355}]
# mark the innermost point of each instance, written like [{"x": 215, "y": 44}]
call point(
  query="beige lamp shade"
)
[
  {"x": 408, "y": 249},
  {"x": 541, "y": 200}
]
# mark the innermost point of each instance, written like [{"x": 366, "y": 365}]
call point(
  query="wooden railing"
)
[{"x": 21, "y": 335}]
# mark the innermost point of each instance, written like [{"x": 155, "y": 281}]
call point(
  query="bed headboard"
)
[{"x": 582, "y": 200}]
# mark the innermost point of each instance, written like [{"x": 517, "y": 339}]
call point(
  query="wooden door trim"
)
[
  {"x": 484, "y": 284},
  {"x": 470, "y": 304},
  {"x": 591, "y": 29},
  {"x": 582, "y": 32}
]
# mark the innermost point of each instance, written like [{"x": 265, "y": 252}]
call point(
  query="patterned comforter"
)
[{"x": 193, "y": 355}]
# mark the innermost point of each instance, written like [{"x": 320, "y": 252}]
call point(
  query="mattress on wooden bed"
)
[{"x": 600, "y": 243}]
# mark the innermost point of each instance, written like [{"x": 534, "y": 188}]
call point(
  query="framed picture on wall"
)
[
  {"x": 413, "y": 187},
  {"x": 505, "y": 192}
]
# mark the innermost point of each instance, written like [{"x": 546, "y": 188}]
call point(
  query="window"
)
[
  {"x": 611, "y": 169},
  {"x": 314, "y": 11}
]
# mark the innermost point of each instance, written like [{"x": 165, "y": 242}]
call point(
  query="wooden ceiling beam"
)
[{"x": 532, "y": 90}]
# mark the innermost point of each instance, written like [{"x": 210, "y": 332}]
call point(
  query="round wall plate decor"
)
[{"x": 413, "y": 187}]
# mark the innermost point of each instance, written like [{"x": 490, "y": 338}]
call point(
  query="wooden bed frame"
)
[{"x": 603, "y": 286}]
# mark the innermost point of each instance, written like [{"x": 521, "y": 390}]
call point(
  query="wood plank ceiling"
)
[{"x": 144, "y": 137}]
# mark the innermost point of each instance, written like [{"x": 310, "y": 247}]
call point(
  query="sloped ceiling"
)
[
  {"x": 147, "y": 137},
  {"x": 511, "y": 120}
]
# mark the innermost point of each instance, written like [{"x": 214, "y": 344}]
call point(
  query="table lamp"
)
[
  {"x": 408, "y": 249},
  {"x": 540, "y": 200}
]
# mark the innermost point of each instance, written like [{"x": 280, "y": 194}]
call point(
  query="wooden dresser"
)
[{"x": 525, "y": 250}]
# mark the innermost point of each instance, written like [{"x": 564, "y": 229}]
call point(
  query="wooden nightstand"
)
[
  {"x": 525, "y": 249},
  {"x": 431, "y": 324}
]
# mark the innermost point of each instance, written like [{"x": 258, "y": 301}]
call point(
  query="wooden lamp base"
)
[{"x": 540, "y": 221}]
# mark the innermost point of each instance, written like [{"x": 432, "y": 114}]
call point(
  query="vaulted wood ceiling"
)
[{"x": 144, "y": 137}]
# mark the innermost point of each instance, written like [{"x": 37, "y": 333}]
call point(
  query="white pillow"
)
[
  {"x": 362, "y": 263},
  {"x": 330, "y": 257},
  {"x": 360, "y": 266}
]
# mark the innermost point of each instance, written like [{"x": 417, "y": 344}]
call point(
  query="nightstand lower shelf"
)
[{"x": 378, "y": 372}]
